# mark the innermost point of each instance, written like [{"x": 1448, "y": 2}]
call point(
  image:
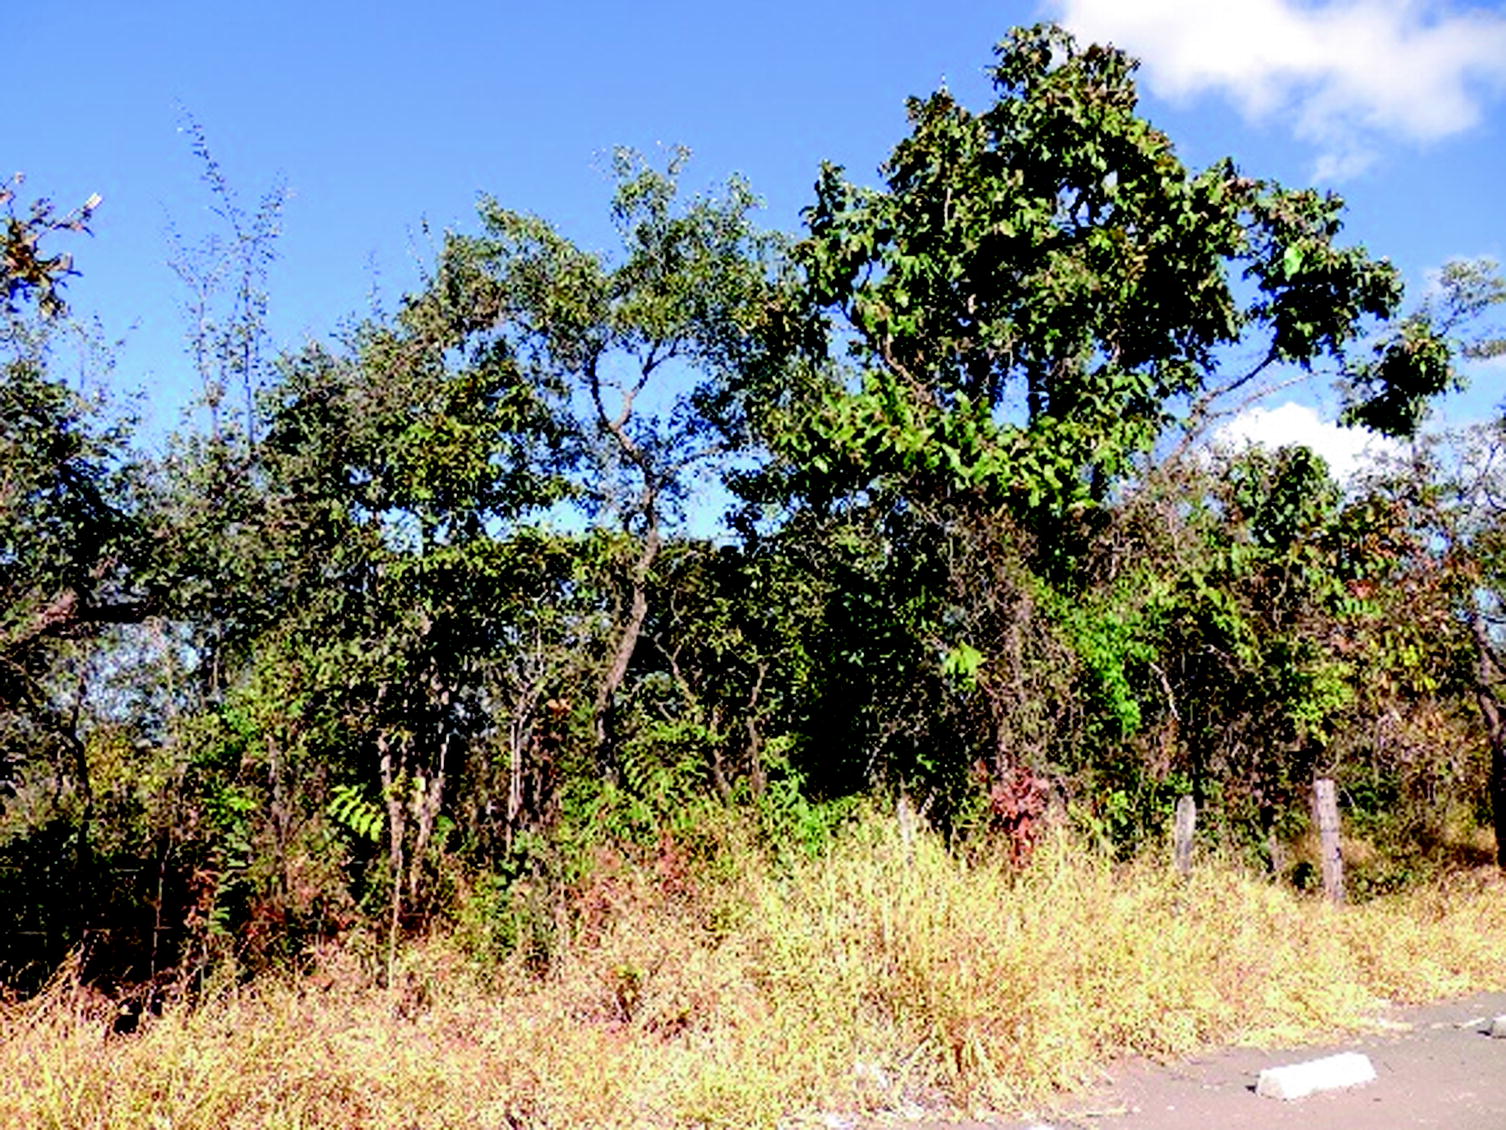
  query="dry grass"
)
[{"x": 883, "y": 975}]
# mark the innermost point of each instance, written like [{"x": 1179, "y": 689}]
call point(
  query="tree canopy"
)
[{"x": 1040, "y": 289}]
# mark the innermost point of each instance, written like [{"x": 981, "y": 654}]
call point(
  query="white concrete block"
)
[
  {"x": 1298, "y": 1080},
  {"x": 1498, "y": 1027}
]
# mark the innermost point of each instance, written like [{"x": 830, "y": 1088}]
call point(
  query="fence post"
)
[
  {"x": 905, "y": 813},
  {"x": 1186, "y": 825},
  {"x": 1326, "y": 808}
]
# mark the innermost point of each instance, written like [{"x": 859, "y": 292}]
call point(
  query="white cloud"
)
[
  {"x": 1348, "y": 451},
  {"x": 1346, "y": 75}
]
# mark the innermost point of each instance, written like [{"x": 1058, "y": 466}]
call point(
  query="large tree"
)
[{"x": 1036, "y": 296}]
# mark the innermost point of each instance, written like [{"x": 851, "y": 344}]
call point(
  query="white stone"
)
[
  {"x": 1298, "y": 1080},
  {"x": 1498, "y": 1027}
]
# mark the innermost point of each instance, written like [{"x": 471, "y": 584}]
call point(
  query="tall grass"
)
[{"x": 744, "y": 991}]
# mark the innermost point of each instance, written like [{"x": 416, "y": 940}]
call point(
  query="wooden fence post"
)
[
  {"x": 1326, "y": 809},
  {"x": 1186, "y": 825}
]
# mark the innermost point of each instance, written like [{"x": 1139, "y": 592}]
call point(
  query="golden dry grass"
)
[{"x": 887, "y": 973}]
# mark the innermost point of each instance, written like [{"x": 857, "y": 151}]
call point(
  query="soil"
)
[
  {"x": 1436, "y": 1066},
  {"x": 1443, "y": 1069}
]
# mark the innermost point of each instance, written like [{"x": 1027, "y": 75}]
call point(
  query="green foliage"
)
[
  {"x": 353, "y": 810},
  {"x": 71, "y": 537},
  {"x": 791, "y": 820},
  {"x": 432, "y": 624},
  {"x": 1035, "y": 295},
  {"x": 1110, "y": 637},
  {"x": 1408, "y": 370},
  {"x": 1038, "y": 284},
  {"x": 962, "y": 663},
  {"x": 1415, "y": 363},
  {"x": 229, "y": 811}
]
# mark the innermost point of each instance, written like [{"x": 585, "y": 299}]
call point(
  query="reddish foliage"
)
[
  {"x": 672, "y": 868},
  {"x": 1017, "y": 807}
]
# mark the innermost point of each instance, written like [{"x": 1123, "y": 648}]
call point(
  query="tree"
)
[
  {"x": 1455, "y": 507},
  {"x": 73, "y": 550},
  {"x": 379, "y": 605},
  {"x": 63, "y": 536},
  {"x": 1248, "y": 626},
  {"x": 224, "y": 276},
  {"x": 649, "y": 358},
  {"x": 386, "y": 478},
  {"x": 1036, "y": 296}
]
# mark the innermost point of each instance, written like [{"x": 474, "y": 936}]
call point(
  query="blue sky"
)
[{"x": 382, "y": 116}]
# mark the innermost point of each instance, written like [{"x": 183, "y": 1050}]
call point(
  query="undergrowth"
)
[{"x": 722, "y": 984}]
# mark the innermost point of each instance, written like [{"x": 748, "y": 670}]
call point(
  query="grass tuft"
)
[{"x": 745, "y": 991}]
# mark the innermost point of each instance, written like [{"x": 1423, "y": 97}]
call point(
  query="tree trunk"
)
[
  {"x": 757, "y": 775},
  {"x": 627, "y": 642},
  {"x": 429, "y": 803},
  {"x": 1487, "y": 676},
  {"x": 1498, "y": 788},
  {"x": 396, "y": 829},
  {"x": 1490, "y": 711}
]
